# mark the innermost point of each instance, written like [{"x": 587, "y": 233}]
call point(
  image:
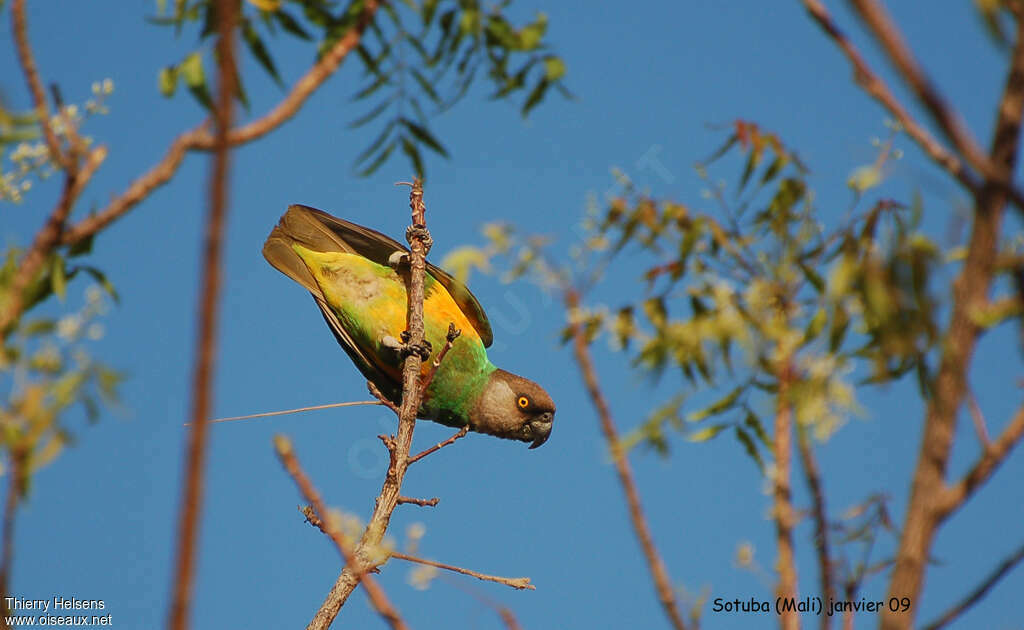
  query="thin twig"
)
[
  {"x": 199, "y": 137},
  {"x": 381, "y": 398},
  {"x": 662, "y": 582},
  {"x": 877, "y": 89},
  {"x": 782, "y": 511},
  {"x": 516, "y": 583},
  {"x": 889, "y": 36},
  {"x": 978, "y": 418},
  {"x": 821, "y": 544},
  {"x": 318, "y": 511},
  {"x": 266, "y": 414},
  {"x": 202, "y": 376},
  {"x": 458, "y": 434},
  {"x": 428, "y": 378},
  {"x": 972, "y": 598},
  {"x": 420, "y": 502},
  {"x": 994, "y": 454},
  {"x": 398, "y": 448},
  {"x": 76, "y": 176},
  {"x": 35, "y": 85}
]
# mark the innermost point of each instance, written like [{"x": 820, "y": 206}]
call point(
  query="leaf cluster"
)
[{"x": 418, "y": 59}]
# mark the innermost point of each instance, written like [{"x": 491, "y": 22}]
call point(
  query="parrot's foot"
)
[
  {"x": 420, "y": 232},
  {"x": 404, "y": 348},
  {"x": 398, "y": 259},
  {"x": 423, "y": 349}
]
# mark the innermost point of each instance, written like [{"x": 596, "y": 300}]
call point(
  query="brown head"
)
[{"x": 514, "y": 408}]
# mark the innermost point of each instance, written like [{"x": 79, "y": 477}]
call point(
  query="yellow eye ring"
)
[{"x": 523, "y": 402}]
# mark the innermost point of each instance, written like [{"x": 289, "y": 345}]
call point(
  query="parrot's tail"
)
[{"x": 300, "y": 225}]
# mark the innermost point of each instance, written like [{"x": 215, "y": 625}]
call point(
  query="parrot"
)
[{"x": 350, "y": 272}]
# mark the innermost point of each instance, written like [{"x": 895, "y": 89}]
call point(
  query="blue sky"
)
[{"x": 650, "y": 79}]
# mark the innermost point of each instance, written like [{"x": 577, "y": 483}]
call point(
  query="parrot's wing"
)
[
  {"x": 383, "y": 375},
  {"x": 322, "y": 232}
]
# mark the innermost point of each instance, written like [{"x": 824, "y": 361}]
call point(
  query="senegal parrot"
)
[{"x": 347, "y": 270}]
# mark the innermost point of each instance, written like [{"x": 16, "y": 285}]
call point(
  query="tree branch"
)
[
  {"x": 975, "y": 595},
  {"x": 202, "y": 376},
  {"x": 35, "y": 85},
  {"x": 994, "y": 455},
  {"x": 891, "y": 40},
  {"x": 970, "y": 292},
  {"x": 458, "y": 434},
  {"x": 419, "y": 243},
  {"x": 821, "y": 544},
  {"x": 317, "y": 515},
  {"x": 662, "y": 582},
  {"x": 520, "y": 584},
  {"x": 199, "y": 137},
  {"x": 783, "y": 507},
  {"x": 877, "y": 89},
  {"x": 420, "y": 502}
]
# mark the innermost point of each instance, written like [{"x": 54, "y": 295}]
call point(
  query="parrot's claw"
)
[
  {"x": 420, "y": 232},
  {"x": 423, "y": 349}
]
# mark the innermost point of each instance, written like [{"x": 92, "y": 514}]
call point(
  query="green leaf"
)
[
  {"x": 750, "y": 447},
  {"x": 259, "y": 51},
  {"x": 167, "y": 80},
  {"x": 425, "y": 86},
  {"x": 103, "y": 281},
  {"x": 373, "y": 113},
  {"x": 707, "y": 433},
  {"x": 716, "y": 407},
  {"x": 751, "y": 420},
  {"x": 380, "y": 159},
  {"x": 554, "y": 68},
  {"x": 424, "y": 136},
  {"x": 536, "y": 96},
  {"x": 58, "y": 279},
  {"x": 413, "y": 153},
  {"x": 81, "y": 246},
  {"x": 289, "y": 24},
  {"x": 812, "y": 276},
  {"x": 191, "y": 70}
]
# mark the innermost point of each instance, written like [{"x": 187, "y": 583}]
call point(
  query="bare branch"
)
[
  {"x": 317, "y": 515},
  {"x": 420, "y": 502},
  {"x": 265, "y": 414},
  {"x": 972, "y": 598},
  {"x": 419, "y": 243},
  {"x": 381, "y": 398},
  {"x": 516, "y": 583},
  {"x": 877, "y": 89},
  {"x": 662, "y": 582},
  {"x": 889, "y": 36},
  {"x": 970, "y": 292},
  {"x": 782, "y": 512},
  {"x": 458, "y": 434},
  {"x": 199, "y": 137},
  {"x": 35, "y": 85},
  {"x": 821, "y": 544},
  {"x": 994, "y": 455},
  {"x": 202, "y": 376},
  {"x": 15, "y": 488}
]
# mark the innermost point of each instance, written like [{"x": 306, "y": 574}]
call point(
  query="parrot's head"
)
[{"x": 514, "y": 408}]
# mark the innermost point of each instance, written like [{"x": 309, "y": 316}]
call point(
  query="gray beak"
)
[{"x": 541, "y": 428}]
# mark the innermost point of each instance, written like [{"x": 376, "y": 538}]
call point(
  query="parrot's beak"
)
[{"x": 540, "y": 427}]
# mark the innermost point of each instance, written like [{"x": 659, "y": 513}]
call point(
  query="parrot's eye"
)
[{"x": 523, "y": 402}]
